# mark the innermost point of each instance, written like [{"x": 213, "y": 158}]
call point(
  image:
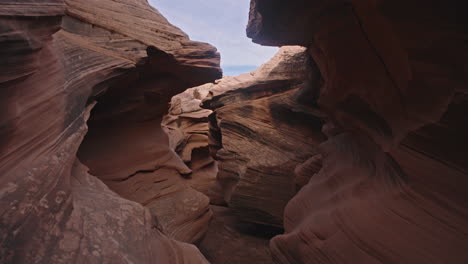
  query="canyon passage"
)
[{"x": 122, "y": 142}]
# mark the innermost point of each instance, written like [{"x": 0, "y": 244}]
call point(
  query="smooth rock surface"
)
[
  {"x": 230, "y": 241},
  {"x": 125, "y": 146},
  {"x": 54, "y": 66},
  {"x": 393, "y": 81}
]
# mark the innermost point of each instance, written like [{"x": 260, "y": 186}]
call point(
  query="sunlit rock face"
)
[
  {"x": 394, "y": 174},
  {"x": 57, "y": 60}
]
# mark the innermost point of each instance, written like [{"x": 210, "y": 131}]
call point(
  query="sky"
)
[{"x": 221, "y": 23}]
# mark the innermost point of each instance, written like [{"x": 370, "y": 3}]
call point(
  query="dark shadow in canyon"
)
[{"x": 127, "y": 149}]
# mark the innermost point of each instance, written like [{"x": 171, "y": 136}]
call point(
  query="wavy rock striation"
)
[
  {"x": 257, "y": 133},
  {"x": 394, "y": 176},
  {"x": 186, "y": 126},
  {"x": 58, "y": 58},
  {"x": 125, "y": 146}
]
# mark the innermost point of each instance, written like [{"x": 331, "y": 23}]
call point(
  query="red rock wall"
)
[
  {"x": 393, "y": 86},
  {"x": 259, "y": 134},
  {"x": 52, "y": 69}
]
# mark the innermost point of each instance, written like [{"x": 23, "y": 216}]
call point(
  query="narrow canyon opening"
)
[
  {"x": 122, "y": 141},
  {"x": 154, "y": 138},
  {"x": 150, "y": 141}
]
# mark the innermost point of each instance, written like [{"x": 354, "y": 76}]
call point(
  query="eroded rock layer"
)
[
  {"x": 53, "y": 69},
  {"x": 125, "y": 146},
  {"x": 186, "y": 126},
  {"x": 394, "y": 175},
  {"x": 257, "y": 133},
  {"x": 260, "y": 133}
]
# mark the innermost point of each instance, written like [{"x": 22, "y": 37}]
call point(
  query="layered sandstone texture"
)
[
  {"x": 59, "y": 59},
  {"x": 390, "y": 182},
  {"x": 187, "y": 129},
  {"x": 256, "y": 131},
  {"x": 253, "y": 128}
]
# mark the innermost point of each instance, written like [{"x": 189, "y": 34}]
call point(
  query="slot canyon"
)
[{"x": 122, "y": 142}]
